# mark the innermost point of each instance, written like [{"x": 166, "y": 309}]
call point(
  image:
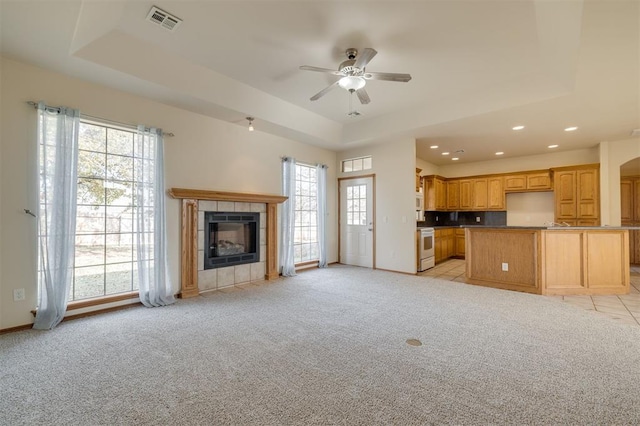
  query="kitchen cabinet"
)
[
  {"x": 529, "y": 181},
  {"x": 418, "y": 180},
  {"x": 630, "y": 213},
  {"x": 576, "y": 193},
  {"x": 495, "y": 193},
  {"x": 466, "y": 188},
  {"x": 460, "y": 248},
  {"x": 453, "y": 195},
  {"x": 435, "y": 193},
  {"x": 444, "y": 240},
  {"x": 480, "y": 194}
]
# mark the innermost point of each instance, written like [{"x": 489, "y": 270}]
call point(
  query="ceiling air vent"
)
[{"x": 164, "y": 19}]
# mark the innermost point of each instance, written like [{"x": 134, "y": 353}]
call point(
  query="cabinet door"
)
[
  {"x": 515, "y": 183},
  {"x": 495, "y": 194},
  {"x": 437, "y": 241},
  {"x": 538, "y": 181},
  {"x": 480, "y": 193},
  {"x": 634, "y": 245},
  {"x": 588, "y": 200},
  {"x": 565, "y": 194},
  {"x": 466, "y": 194},
  {"x": 636, "y": 200},
  {"x": 626, "y": 200},
  {"x": 460, "y": 249},
  {"x": 453, "y": 195},
  {"x": 440, "y": 194}
]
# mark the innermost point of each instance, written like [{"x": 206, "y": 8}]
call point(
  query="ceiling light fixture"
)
[
  {"x": 518, "y": 127},
  {"x": 433, "y": 146},
  {"x": 352, "y": 82},
  {"x": 499, "y": 153},
  {"x": 445, "y": 153},
  {"x": 570, "y": 129},
  {"x": 552, "y": 146},
  {"x": 250, "y": 119},
  {"x": 455, "y": 159}
]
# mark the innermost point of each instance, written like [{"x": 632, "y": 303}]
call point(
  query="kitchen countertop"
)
[{"x": 555, "y": 228}]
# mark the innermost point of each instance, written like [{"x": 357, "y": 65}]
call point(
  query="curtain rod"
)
[
  {"x": 285, "y": 158},
  {"x": 35, "y": 104}
]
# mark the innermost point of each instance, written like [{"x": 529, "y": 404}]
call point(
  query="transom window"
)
[
  {"x": 305, "y": 239},
  {"x": 356, "y": 164}
]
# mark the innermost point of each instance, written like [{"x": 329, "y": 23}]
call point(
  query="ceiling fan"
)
[{"x": 354, "y": 76}]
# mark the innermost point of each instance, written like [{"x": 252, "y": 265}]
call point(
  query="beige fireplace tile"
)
[
  {"x": 207, "y": 280},
  {"x": 263, "y": 220},
  {"x": 200, "y": 240},
  {"x": 200, "y": 260},
  {"x": 263, "y": 236},
  {"x": 226, "y": 206},
  {"x": 258, "y": 208},
  {"x": 263, "y": 253},
  {"x": 243, "y": 274},
  {"x": 243, "y": 207},
  {"x": 207, "y": 206},
  {"x": 226, "y": 276},
  {"x": 257, "y": 271},
  {"x": 200, "y": 220}
]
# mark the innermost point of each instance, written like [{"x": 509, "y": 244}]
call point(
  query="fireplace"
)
[{"x": 231, "y": 238}]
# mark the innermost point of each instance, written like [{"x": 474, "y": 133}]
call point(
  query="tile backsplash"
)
[{"x": 489, "y": 218}]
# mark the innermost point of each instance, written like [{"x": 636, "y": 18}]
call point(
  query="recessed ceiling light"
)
[
  {"x": 499, "y": 153},
  {"x": 455, "y": 159},
  {"x": 570, "y": 129},
  {"x": 552, "y": 146},
  {"x": 433, "y": 146},
  {"x": 445, "y": 153},
  {"x": 518, "y": 127}
]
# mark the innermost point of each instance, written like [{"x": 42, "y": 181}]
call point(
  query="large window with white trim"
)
[{"x": 305, "y": 246}]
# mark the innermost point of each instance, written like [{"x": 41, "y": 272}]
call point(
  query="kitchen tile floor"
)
[{"x": 624, "y": 308}]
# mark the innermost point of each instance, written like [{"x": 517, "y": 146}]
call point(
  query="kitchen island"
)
[{"x": 549, "y": 260}]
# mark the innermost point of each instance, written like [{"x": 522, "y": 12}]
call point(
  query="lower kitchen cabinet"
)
[{"x": 445, "y": 243}]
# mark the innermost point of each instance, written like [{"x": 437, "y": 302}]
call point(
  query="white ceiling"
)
[{"x": 478, "y": 67}]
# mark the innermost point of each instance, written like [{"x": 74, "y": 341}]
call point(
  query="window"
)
[
  {"x": 105, "y": 260},
  {"x": 356, "y": 164},
  {"x": 357, "y": 205},
  {"x": 305, "y": 240}
]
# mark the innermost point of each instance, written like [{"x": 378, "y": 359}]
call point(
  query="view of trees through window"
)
[
  {"x": 105, "y": 226},
  {"x": 305, "y": 240}
]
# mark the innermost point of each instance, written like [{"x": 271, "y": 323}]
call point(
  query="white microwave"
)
[{"x": 419, "y": 201}]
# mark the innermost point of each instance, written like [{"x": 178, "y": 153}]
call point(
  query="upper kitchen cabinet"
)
[
  {"x": 418, "y": 180},
  {"x": 529, "y": 181},
  {"x": 577, "y": 194},
  {"x": 435, "y": 193},
  {"x": 488, "y": 193},
  {"x": 453, "y": 195}
]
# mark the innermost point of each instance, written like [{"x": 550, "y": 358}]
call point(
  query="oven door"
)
[{"x": 427, "y": 249}]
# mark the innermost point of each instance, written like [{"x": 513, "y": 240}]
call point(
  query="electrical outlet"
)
[
  {"x": 505, "y": 267},
  {"x": 18, "y": 294},
  {"x": 477, "y": 219}
]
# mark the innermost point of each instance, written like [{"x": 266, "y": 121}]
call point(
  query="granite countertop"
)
[{"x": 555, "y": 228}]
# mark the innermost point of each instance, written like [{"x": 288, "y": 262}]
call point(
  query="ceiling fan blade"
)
[
  {"x": 364, "y": 57},
  {"x": 388, "y": 76},
  {"x": 363, "y": 96},
  {"x": 318, "y": 69},
  {"x": 324, "y": 91}
]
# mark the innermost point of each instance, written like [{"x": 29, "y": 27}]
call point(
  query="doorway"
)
[{"x": 357, "y": 221}]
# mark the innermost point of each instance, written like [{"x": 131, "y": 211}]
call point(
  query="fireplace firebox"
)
[{"x": 231, "y": 238}]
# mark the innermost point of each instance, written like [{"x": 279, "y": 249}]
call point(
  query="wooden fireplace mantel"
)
[{"x": 189, "y": 254}]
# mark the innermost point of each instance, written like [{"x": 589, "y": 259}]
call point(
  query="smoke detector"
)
[
  {"x": 635, "y": 132},
  {"x": 164, "y": 19}
]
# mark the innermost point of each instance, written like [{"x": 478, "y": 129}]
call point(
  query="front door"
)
[{"x": 356, "y": 221}]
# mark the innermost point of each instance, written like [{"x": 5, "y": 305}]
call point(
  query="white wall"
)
[
  {"x": 532, "y": 162},
  {"x": 205, "y": 154},
  {"x": 530, "y": 208},
  {"x": 393, "y": 165},
  {"x": 427, "y": 168}
]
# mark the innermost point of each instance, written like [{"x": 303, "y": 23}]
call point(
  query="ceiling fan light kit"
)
[
  {"x": 353, "y": 75},
  {"x": 250, "y": 120}
]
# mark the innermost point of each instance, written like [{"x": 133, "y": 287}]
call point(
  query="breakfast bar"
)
[{"x": 549, "y": 260}]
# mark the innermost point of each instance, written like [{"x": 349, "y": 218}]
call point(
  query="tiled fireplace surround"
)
[{"x": 194, "y": 278}]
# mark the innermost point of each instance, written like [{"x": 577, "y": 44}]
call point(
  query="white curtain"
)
[
  {"x": 58, "y": 170},
  {"x": 287, "y": 262},
  {"x": 321, "y": 177},
  {"x": 154, "y": 284}
]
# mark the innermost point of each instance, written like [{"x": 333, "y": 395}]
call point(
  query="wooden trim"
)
[
  {"x": 577, "y": 167},
  {"x": 101, "y": 300},
  {"x": 18, "y": 328},
  {"x": 189, "y": 252},
  {"x": 309, "y": 263},
  {"x": 200, "y": 194},
  {"x": 271, "y": 264}
]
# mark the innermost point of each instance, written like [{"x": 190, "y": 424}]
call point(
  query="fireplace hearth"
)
[{"x": 231, "y": 238}]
